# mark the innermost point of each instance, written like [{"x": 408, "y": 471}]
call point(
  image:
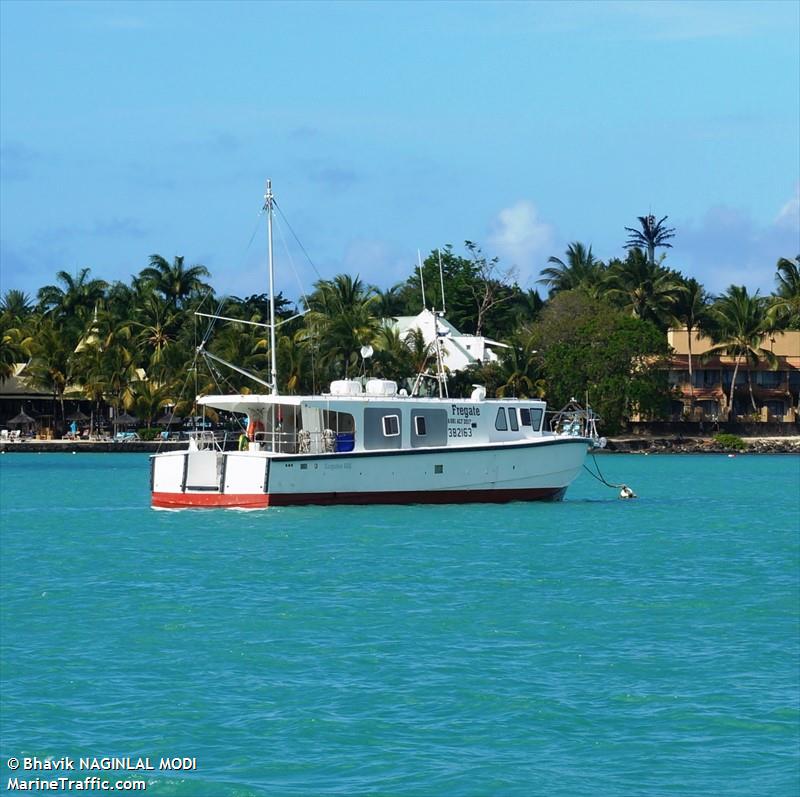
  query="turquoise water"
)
[{"x": 593, "y": 646}]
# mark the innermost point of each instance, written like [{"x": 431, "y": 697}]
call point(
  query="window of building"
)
[
  {"x": 391, "y": 425},
  {"x": 706, "y": 377},
  {"x": 500, "y": 421},
  {"x": 770, "y": 379},
  {"x": 727, "y": 376},
  {"x": 419, "y": 425},
  {"x": 512, "y": 419}
]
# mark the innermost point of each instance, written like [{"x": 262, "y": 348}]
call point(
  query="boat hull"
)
[{"x": 481, "y": 474}]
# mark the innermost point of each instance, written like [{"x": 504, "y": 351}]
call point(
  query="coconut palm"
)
[
  {"x": 644, "y": 289},
  {"x": 520, "y": 367},
  {"x": 149, "y": 398},
  {"x": 785, "y": 308},
  {"x": 392, "y": 358},
  {"x": 72, "y": 303},
  {"x": 245, "y": 346},
  {"x": 390, "y": 302},
  {"x": 690, "y": 310},
  {"x": 15, "y": 348},
  {"x": 50, "y": 367},
  {"x": 580, "y": 270},
  {"x": 105, "y": 362},
  {"x": 740, "y": 323},
  {"x": 156, "y": 327},
  {"x": 342, "y": 317},
  {"x": 15, "y": 306},
  {"x": 651, "y": 235},
  {"x": 175, "y": 282}
]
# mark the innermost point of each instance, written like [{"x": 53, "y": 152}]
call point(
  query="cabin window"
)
[
  {"x": 429, "y": 428},
  {"x": 500, "y": 421},
  {"x": 382, "y": 428},
  {"x": 512, "y": 419},
  {"x": 391, "y": 425},
  {"x": 536, "y": 418},
  {"x": 525, "y": 416}
]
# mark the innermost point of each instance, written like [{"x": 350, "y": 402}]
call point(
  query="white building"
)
[{"x": 459, "y": 351}]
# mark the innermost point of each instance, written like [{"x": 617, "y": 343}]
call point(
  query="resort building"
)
[
  {"x": 460, "y": 351},
  {"x": 776, "y": 392}
]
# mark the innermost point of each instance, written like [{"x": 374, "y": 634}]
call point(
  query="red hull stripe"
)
[
  {"x": 183, "y": 500},
  {"x": 260, "y": 501}
]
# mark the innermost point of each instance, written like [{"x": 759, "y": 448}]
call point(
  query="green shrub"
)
[
  {"x": 729, "y": 441},
  {"x": 149, "y": 434}
]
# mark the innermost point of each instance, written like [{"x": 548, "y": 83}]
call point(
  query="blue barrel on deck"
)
[{"x": 345, "y": 441}]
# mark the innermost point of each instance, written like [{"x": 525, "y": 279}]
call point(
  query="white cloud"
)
[
  {"x": 728, "y": 247},
  {"x": 518, "y": 235},
  {"x": 789, "y": 216}
]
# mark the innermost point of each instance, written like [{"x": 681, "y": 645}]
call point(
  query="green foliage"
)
[
  {"x": 588, "y": 346},
  {"x": 133, "y": 345},
  {"x": 729, "y": 441},
  {"x": 738, "y": 324},
  {"x": 651, "y": 235}
]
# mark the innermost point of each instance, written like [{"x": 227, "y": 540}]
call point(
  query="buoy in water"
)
[{"x": 626, "y": 492}]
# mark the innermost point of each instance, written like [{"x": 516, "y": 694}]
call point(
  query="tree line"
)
[{"x": 599, "y": 331}]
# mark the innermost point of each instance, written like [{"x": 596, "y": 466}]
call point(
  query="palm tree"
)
[
  {"x": 785, "y": 309},
  {"x": 421, "y": 351},
  {"x": 392, "y": 358},
  {"x": 51, "y": 362},
  {"x": 690, "y": 310},
  {"x": 297, "y": 362},
  {"x": 652, "y": 234},
  {"x": 174, "y": 282},
  {"x": 644, "y": 289},
  {"x": 581, "y": 270},
  {"x": 520, "y": 368},
  {"x": 245, "y": 346},
  {"x": 15, "y": 347},
  {"x": 342, "y": 317},
  {"x": 73, "y": 304},
  {"x": 16, "y": 306},
  {"x": 156, "y": 327},
  {"x": 390, "y": 302},
  {"x": 740, "y": 323},
  {"x": 149, "y": 399}
]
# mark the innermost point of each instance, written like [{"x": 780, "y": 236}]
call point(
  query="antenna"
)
[
  {"x": 441, "y": 280},
  {"x": 421, "y": 280}
]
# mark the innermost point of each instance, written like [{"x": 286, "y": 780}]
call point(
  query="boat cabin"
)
[{"x": 375, "y": 417}]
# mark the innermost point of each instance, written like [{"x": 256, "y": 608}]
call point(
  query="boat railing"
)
[
  {"x": 326, "y": 441},
  {"x": 576, "y": 421},
  {"x": 206, "y": 440}
]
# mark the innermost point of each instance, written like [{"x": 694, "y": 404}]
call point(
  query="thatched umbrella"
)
[
  {"x": 125, "y": 419},
  {"x": 22, "y": 419},
  {"x": 169, "y": 420},
  {"x": 77, "y": 416}
]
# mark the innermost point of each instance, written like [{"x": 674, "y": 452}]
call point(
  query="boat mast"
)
[{"x": 268, "y": 203}]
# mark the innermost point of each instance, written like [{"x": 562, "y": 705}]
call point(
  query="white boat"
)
[{"x": 365, "y": 442}]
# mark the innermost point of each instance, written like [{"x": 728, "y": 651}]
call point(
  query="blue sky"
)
[{"x": 136, "y": 128}]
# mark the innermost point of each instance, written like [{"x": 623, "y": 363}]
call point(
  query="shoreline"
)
[{"x": 616, "y": 445}]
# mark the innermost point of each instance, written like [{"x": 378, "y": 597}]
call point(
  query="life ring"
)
[{"x": 252, "y": 428}]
